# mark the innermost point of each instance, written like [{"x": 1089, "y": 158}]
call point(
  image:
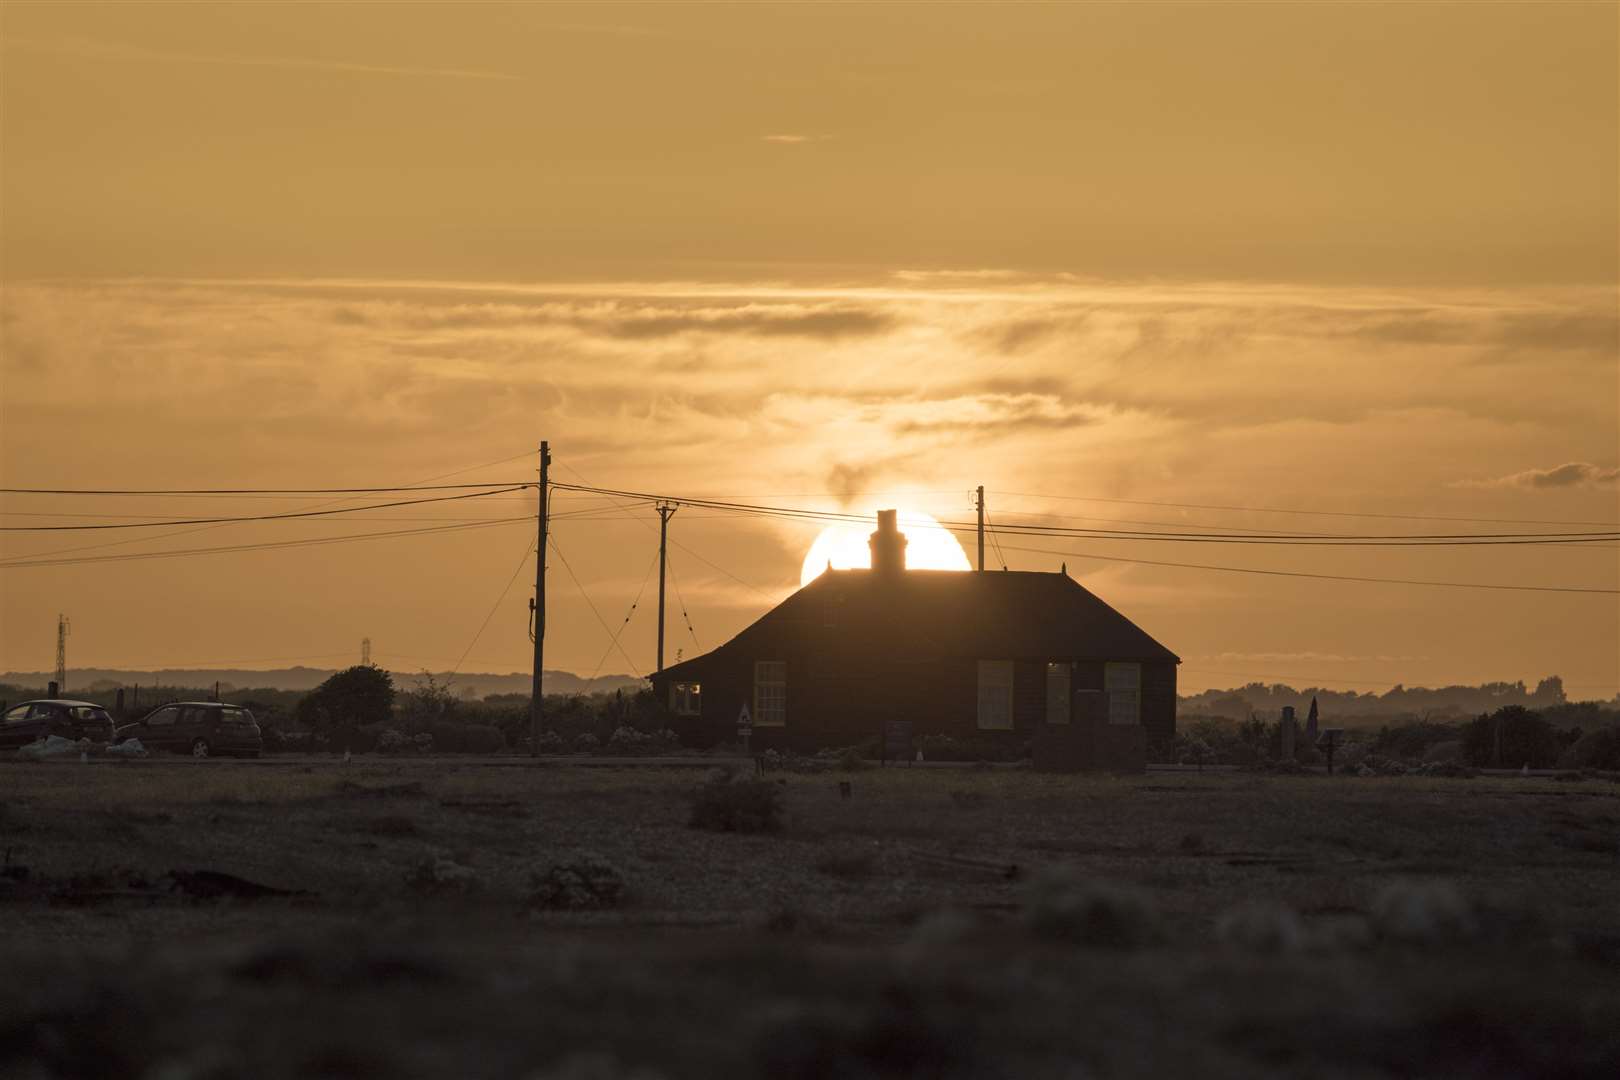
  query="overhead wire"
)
[
  {"x": 1309, "y": 513},
  {"x": 524, "y": 561},
  {"x": 1324, "y": 577},
  {"x": 552, "y": 542},
  {"x": 260, "y": 517},
  {"x": 1300, "y": 539}
]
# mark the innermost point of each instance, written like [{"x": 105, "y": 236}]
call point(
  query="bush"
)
[
  {"x": 1065, "y": 905},
  {"x": 590, "y": 884},
  {"x": 1410, "y": 741},
  {"x": 1598, "y": 749},
  {"x": 1526, "y": 739},
  {"x": 587, "y": 744},
  {"x": 1450, "y": 750},
  {"x": 482, "y": 739},
  {"x": 728, "y": 803},
  {"x": 551, "y": 742},
  {"x": 629, "y": 741},
  {"x": 393, "y": 741},
  {"x": 359, "y": 696}
]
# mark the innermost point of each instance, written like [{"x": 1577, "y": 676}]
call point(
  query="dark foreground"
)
[{"x": 182, "y": 919}]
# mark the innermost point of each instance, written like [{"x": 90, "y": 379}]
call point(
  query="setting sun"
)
[{"x": 929, "y": 546}]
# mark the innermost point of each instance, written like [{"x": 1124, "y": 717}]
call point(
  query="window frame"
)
[
  {"x": 770, "y": 694},
  {"x": 152, "y": 720},
  {"x": 1123, "y": 681},
  {"x": 686, "y": 698},
  {"x": 1055, "y": 667},
  {"x": 998, "y": 667}
]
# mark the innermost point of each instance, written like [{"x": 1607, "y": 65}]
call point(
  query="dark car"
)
[
  {"x": 31, "y": 720},
  {"x": 52, "y": 716},
  {"x": 199, "y": 728}
]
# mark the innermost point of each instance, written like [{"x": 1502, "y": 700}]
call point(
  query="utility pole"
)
[
  {"x": 365, "y": 652},
  {"x": 665, "y": 512},
  {"x": 981, "y": 528},
  {"x": 543, "y": 514},
  {"x": 64, "y": 627}
]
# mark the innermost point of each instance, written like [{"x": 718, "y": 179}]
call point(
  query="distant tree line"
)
[{"x": 1267, "y": 700}]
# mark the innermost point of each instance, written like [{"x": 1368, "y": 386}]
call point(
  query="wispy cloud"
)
[
  {"x": 109, "y": 50},
  {"x": 792, "y": 139},
  {"x": 1568, "y": 475}
]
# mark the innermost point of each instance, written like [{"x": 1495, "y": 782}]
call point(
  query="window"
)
[
  {"x": 770, "y": 693},
  {"x": 17, "y": 715},
  {"x": 163, "y": 717},
  {"x": 1124, "y": 685},
  {"x": 995, "y": 695},
  {"x": 686, "y": 699},
  {"x": 83, "y": 712},
  {"x": 235, "y": 716},
  {"x": 1057, "y": 693}
]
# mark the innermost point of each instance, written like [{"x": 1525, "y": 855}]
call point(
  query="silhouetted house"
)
[{"x": 965, "y": 654}]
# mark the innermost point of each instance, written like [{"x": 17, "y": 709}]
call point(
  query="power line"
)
[
  {"x": 1297, "y": 539},
  {"x": 1324, "y": 577},
  {"x": 591, "y": 604},
  {"x": 258, "y": 517},
  {"x": 681, "y": 600},
  {"x": 524, "y": 561},
  {"x": 1309, "y": 513},
  {"x": 131, "y": 556},
  {"x": 269, "y": 491},
  {"x": 627, "y": 617}
]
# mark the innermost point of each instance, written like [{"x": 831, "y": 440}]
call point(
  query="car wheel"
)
[{"x": 199, "y": 749}]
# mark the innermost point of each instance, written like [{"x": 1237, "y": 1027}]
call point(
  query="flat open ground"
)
[{"x": 963, "y": 922}]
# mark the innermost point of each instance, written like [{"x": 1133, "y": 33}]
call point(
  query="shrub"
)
[
  {"x": 587, "y": 743},
  {"x": 1598, "y": 749},
  {"x": 589, "y": 884},
  {"x": 441, "y": 874},
  {"x": 482, "y": 739},
  {"x": 727, "y": 803},
  {"x": 357, "y": 696},
  {"x": 551, "y": 742},
  {"x": 1065, "y": 905},
  {"x": 1450, "y": 750},
  {"x": 1526, "y": 739},
  {"x": 1261, "y": 928},
  {"x": 628, "y": 741},
  {"x": 1420, "y": 911},
  {"x": 1412, "y": 740},
  {"x": 393, "y": 742}
]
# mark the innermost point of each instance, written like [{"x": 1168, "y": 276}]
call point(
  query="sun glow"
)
[{"x": 928, "y": 547}]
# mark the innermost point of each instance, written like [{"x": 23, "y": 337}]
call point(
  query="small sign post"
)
[
  {"x": 745, "y": 726},
  {"x": 896, "y": 741}
]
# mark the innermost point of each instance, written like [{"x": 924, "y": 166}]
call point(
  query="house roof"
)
[{"x": 1007, "y": 614}]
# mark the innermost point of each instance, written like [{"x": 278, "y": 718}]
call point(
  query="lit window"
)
[
  {"x": 1057, "y": 693},
  {"x": 995, "y": 694},
  {"x": 1124, "y": 685},
  {"x": 686, "y": 699},
  {"x": 770, "y": 693}
]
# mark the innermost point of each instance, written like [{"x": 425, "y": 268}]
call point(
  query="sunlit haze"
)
[
  {"x": 1258, "y": 268},
  {"x": 846, "y": 547}
]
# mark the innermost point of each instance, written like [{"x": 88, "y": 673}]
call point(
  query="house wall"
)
[{"x": 840, "y": 697}]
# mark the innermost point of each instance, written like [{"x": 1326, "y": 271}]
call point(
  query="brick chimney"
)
[{"x": 888, "y": 545}]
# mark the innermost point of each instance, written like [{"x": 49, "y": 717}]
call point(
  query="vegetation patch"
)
[{"x": 728, "y": 803}]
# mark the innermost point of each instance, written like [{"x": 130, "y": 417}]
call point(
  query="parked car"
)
[
  {"x": 75, "y": 720},
  {"x": 199, "y": 728}
]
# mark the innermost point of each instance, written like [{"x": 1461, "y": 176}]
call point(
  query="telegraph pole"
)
[
  {"x": 543, "y": 514},
  {"x": 665, "y": 512},
  {"x": 981, "y": 528},
  {"x": 64, "y": 627}
]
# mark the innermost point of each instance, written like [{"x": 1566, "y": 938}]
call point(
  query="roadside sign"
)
[{"x": 744, "y": 721}]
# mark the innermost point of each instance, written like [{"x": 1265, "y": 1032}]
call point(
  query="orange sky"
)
[{"x": 1356, "y": 258}]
